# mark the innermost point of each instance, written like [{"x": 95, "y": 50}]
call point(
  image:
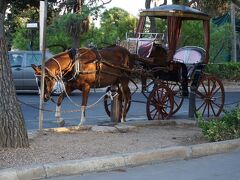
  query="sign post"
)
[
  {"x": 31, "y": 27},
  {"x": 43, "y": 20}
]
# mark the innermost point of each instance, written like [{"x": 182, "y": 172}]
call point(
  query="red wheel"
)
[
  {"x": 107, "y": 103},
  {"x": 210, "y": 96},
  {"x": 177, "y": 95},
  {"x": 160, "y": 103}
]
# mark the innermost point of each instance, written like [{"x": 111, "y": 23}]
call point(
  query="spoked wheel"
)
[
  {"x": 210, "y": 96},
  {"x": 107, "y": 103},
  {"x": 160, "y": 103},
  {"x": 177, "y": 95}
]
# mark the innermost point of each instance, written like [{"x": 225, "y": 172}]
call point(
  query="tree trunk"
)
[
  {"x": 76, "y": 41},
  {"x": 12, "y": 126},
  {"x": 152, "y": 20}
]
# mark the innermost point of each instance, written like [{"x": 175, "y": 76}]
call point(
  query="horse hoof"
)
[
  {"x": 80, "y": 125},
  {"x": 62, "y": 123}
]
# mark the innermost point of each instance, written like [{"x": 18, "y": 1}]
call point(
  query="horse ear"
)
[
  {"x": 37, "y": 69},
  {"x": 86, "y": 55}
]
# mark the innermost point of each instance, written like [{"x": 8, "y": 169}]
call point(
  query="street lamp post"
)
[{"x": 234, "y": 39}]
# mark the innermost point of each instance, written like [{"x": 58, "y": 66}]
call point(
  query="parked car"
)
[{"x": 23, "y": 74}]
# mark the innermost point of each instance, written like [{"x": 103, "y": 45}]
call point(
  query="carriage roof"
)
[{"x": 184, "y": 12}]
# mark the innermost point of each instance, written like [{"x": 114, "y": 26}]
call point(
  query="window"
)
[
  {"x": 16, "y": 60},
  {"x": 33, "y": 58}
]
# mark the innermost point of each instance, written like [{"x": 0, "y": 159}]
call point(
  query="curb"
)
[{"x": 110, "y": 162}]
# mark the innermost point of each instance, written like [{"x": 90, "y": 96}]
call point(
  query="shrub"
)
[
  {"x": 227, "y": 127},
  {"x": 230, "y": 71}
]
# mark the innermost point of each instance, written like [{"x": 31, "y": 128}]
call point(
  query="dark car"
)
[{"x": 23, "y": 74}]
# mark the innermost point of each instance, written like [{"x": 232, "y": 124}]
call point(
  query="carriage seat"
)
[
  {"x": 144, "y": 48},
  {"x": 191, "y": 56},
  {"x": 142, "y": 44}
]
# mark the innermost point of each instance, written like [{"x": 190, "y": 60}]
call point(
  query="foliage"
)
[
  {"x": 63, "y": 29},
  {"x": 161, "y": 25},
  {"x": 220, "y": 44},
  {"x": 115, "y": 22},
  {"x": 22, "y": 39},
  {"x": 230, "y": 71},
  {"x": 20, "y": 13},
  {"x": 227, "y": 127},
  {"x": 192, "y": 34}
]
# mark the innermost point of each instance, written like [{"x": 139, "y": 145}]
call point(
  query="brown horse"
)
[{"x": 88, "y": 69}]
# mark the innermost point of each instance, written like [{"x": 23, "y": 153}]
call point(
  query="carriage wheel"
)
[
  {"x": 107, "y": 103},
  {"x": 210, "y": 96},
  {"x": 160, "y": 103},
  {"x": 177, "y": 95}
]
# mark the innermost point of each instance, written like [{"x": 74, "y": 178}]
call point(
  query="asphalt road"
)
[
  {"x": 95, "y": 114},
  {"x": 216, "y": 167}
]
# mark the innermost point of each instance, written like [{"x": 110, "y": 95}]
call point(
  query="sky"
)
[{"x": 132, "y": 6}]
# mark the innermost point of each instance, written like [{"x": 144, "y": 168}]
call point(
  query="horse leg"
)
[
  {"x": 58, "y": 110},
  {"x": 121, "y": 100},
  {"x": 126, "y": 93},
  {"x": 85, "y": 93}
]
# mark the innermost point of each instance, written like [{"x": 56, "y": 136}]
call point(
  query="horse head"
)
[
  {"x": 49, "y": 82},
  {"x": 55, "y": 69}
]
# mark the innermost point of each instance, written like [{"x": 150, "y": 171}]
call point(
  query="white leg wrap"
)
[
  {"x": 58, "y": 116},
  {"x": 83, "y": 119},
  {"x": 58, "y": 112},
  {"x": 122, "y": 119}
]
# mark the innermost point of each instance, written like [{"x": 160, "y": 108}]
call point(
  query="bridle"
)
[{"x": 57, "y": 77}]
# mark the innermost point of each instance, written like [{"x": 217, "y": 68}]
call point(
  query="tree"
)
[
  {"x": 153, "y": 27},
  {"x": 78, "y": 21},
  {"x": 20, "y": 11},
  {"x": 115, "y": 23},
  {"x": 13, "y": 132}
]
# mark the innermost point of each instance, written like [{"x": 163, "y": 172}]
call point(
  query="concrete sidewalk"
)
[{"x": 115, "y": 161}]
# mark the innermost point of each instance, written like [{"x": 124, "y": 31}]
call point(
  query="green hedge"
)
[
  {"x": 227, "y": 127},
  {"x": 230, "y": 71}
]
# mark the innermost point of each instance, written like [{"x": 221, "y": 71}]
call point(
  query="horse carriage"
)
[
  {"x": 174, "y": 73},
  {"x": 154, "y": 60}
]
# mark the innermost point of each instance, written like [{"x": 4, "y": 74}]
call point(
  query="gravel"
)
[{"x": 69, "y": 144}]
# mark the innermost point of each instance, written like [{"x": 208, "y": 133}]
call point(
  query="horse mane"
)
[
  {"x": 71, "y": 52},
  {"x": 103, "y": 47}
]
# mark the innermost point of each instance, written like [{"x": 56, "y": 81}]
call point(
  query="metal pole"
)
[
  {"x": 234, "y": 39},
  {"x": 192, "y": 102},
  {"x": 192, "y": 94},
  {"x": 43, "y": 20}
]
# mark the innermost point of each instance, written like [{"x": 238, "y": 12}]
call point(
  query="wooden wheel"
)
[
  {"x": 210, "y": 96},
  {"x": 177, "y": 95},
  {"x": 107, "y": 103},
  {"x": 160, "y": 103}
]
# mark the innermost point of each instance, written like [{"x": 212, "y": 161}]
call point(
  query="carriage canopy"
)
[{"x": 175, "y": 14}]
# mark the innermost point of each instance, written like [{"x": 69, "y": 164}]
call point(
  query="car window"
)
[
  {"x": 33, "y": 58},
  {"x": 16, "y": 60}
]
